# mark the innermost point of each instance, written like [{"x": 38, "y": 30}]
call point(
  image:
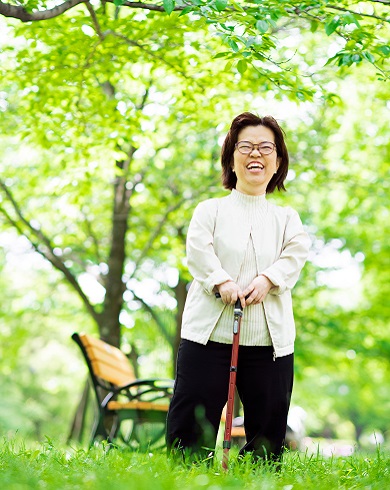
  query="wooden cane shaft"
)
[{"x": 231, "y": 392}]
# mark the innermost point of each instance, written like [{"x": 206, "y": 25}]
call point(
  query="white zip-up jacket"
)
[{"x": 216, "y": 243}]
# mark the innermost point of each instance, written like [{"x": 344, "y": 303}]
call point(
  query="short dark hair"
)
[{"x": 240, "y": 122}]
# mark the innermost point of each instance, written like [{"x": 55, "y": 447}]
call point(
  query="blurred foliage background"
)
[{"x": 112, "y": 118}]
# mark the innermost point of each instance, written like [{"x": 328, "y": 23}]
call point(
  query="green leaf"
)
[
  {"x": 331, "y": 26},
  {"x": 169, "y": 5},
  {"x": 345, "y": 60},
  {"x": 242, "y": 66},
  {"x": 223, "y": 54},
  {"x": 221, "y": 5},
  {"x": 384, "y": 50},
  {"x": 185, "y": 11},
  {"x": 369, "y": 57},
  {"x": 228, "y": 66},
  {"x": 237, "y": 6},
  {"x": 272, "y": 23},
  {"x": 331, "y": 60},
  {"x": 313, "y": 26},
  {"x": 262, "y": 26},
  {"x": 232, "y": 43},
  {"x": 224, "y": 26},
  {"x": 350, "y": 19},
  {"x": 119, "y": 3}
]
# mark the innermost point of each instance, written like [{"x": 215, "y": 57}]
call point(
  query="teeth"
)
[{"x": 255, "y": 166}]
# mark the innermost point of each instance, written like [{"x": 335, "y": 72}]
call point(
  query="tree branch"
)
[
  {"x": 90, "y": 232},
  {"x": 160, "y": 324},
  {"x": 94, "y": 20},
  {"x": 145, "y": 96},
  {"x": 19, "y": 12},
  {"x": 155, "y": 234},
  {"x": 149, "y": 6},
  {"x": 342, "y": 9},
  {"x": 150, "y": 53},
  {"x": 47, "y": 251}
]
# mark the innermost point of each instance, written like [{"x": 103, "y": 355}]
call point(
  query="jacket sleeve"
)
[
  {"x": 203, "y": 264},
  {"x": 284, "y": 272}
]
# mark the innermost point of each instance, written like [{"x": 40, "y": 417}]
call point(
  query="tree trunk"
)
[
  {"x": 109, "y": 325},
  {"x": 358, "y": 432},
  {"x": 78, "y": 425}
]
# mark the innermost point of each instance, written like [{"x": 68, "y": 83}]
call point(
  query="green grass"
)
[{"x": 49, "y": 467}]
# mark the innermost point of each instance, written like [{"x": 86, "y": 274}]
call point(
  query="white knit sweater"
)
[
  {"x": 217, "y": 241},
  {"x": 254, "y": 329}
]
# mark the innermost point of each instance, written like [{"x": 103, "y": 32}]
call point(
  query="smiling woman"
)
[
  {"x": 270, "y": 152},
  {"x": 255, "y": 162},
  {"x": 246, "y": 249}
]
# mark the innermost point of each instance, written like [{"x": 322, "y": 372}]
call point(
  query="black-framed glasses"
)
[{"x": 246, "y": 147}]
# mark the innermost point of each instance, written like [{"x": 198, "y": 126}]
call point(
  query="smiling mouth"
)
[{"x": 255, "y": 166}]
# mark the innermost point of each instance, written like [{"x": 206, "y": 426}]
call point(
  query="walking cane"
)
[{"x": 232, "y": 384}]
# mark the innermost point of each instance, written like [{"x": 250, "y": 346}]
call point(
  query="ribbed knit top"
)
[{"x": 254, "y": 329}]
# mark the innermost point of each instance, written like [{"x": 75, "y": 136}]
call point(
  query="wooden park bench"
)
[{"x": 121, "y": 398}]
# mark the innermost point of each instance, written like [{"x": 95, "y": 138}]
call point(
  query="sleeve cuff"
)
[
  {"x": 217, "y": 277},
  {"x": 279, "y": 286}
]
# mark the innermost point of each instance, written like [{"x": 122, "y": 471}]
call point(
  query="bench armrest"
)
[
  {"x": 158, "y": 383},
  {"x": 142, "y": 390}
]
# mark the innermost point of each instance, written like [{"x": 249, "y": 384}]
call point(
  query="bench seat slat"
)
[
  {"x": 108, "y": 362},
  {"x": 238, "y": 432},
  {"x": 107, "y": 357},
  {"x": 110, "y": 374},
  {"x": 115, "y": 405}
]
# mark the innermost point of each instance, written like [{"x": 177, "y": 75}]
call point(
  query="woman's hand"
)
[
  {"x": 230, "y": 292},
  {"x": 257, "y": 290}
]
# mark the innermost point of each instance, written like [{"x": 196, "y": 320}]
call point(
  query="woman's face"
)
[{"x": 254, "y": 170}]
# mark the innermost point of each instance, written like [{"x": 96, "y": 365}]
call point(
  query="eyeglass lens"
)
[{"x": 246, "y": 147}]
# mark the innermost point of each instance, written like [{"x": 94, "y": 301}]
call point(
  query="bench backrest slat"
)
[{"x": 108, "y": 362}]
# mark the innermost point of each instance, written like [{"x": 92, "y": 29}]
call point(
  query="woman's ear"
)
[{"x": 278, "y": 160}]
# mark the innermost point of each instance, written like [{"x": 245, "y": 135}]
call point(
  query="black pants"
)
[{"x": 201, "y": 388}]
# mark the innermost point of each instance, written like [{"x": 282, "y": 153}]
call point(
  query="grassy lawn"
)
[{"x": 49, "y": 467}]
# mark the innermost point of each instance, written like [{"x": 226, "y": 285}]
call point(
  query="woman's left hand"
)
[{"x": 257, "y": 290}]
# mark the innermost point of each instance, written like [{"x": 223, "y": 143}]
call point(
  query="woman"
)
[{"x": 242, "y": 247}]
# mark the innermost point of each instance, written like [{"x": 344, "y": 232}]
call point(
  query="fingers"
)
[
  {"x": 229, "y": 299},
  {"x": 232, "y": 298},
  {"x": 230, "y": 292},
  {"x": 251, "y": 295},
  {"x": 254, "y": 298},
  {"x": 242, "y": 299},
  {"x": 254, "y": 294},
  {"x": 257, "y": 291}
]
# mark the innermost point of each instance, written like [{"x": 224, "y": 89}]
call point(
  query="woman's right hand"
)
[{"x": 230, "y": 292}]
